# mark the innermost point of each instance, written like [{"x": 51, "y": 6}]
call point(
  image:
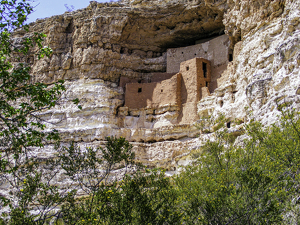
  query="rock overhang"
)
[
  {"x": 130, "y": 39},
  {"x": 145, "y": 27}
]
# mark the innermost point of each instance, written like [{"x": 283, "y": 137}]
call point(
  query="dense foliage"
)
[
  {"x": 256, "y": 183},
  {"x": 20, "y": 100}
]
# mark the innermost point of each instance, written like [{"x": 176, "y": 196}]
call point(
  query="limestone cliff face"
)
[
  {"x": 94, "y": 47},
  {"x": 265, "y": 69}
]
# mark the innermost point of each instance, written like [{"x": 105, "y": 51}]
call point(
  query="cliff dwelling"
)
[
  {"x": 192, "y": 74},
  {"x": 148, "y": 71}
]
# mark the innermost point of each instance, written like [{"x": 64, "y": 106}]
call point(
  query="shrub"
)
[{"x": 251, "y": 184}]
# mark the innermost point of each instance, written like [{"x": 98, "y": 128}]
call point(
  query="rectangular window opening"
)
[
  {"x": 204, "y": 68},
  {"x": 139, "y": 90}
]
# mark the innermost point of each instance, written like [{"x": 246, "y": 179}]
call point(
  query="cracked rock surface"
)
[{"x": 95, "y": 46}]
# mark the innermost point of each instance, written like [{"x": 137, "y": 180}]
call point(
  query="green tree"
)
[
  {"x": 21, "y": 129},
  {"x": 145, "y": 197},
  {"x": 32, "y": 197},
  {"x": 116, "y": 191},
  {"x": 253, "y": 183}
]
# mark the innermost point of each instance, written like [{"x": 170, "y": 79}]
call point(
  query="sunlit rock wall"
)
[
  {"x": 94, "y": 47},
  {"x": 265, "y": 70}
]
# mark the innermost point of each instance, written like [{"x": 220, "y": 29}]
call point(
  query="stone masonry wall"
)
[
  {"x": 191, "y": 89},
  {"x": 216, "y": 50},
  {"x": 153, "y": 95},
  {"x": 94, "y": 47},
  {"x": 183, "y": 90}
]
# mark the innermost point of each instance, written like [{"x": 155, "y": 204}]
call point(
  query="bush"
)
[
  {"x": 145, "y": 198},
  {"x": 256, "y": 183}
]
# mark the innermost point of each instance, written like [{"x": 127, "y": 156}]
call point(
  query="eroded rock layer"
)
[{"x": 94, "y": 47}]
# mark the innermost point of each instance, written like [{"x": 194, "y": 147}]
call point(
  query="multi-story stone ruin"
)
[
  {"x": 190, "y": 77},
  {"x": 100, "y": 49},
  {"x": 138, "y": 70}
]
